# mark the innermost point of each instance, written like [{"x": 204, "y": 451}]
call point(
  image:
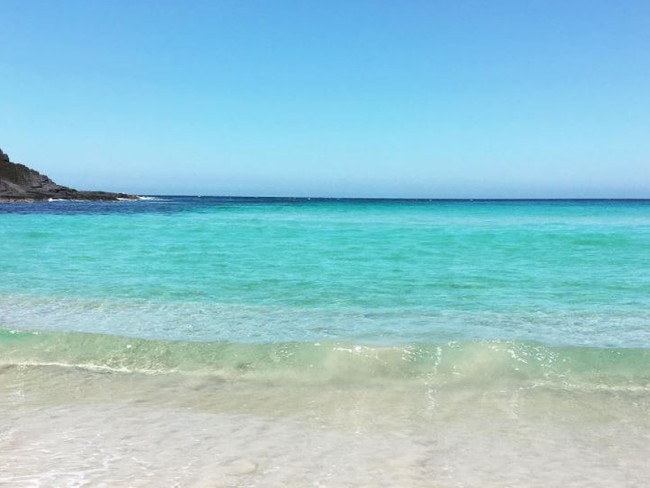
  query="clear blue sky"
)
[{"x": 330, "y": 98}]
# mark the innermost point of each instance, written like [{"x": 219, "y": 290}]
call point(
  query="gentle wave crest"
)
[{"x": 453, "y": 363}]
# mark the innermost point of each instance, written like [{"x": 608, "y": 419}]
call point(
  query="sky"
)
[{"x": 383, "y": 98}]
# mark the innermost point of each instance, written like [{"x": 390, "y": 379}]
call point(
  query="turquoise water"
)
[
  {"x": 432, "y": 332},
  {"x": 369, "y": 273},
  {"x": 387, "y": 272}
]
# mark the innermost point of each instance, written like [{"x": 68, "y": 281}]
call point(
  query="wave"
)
[
  {"x": 486, "y": 363},
  {"x": 147, "y": 198}
]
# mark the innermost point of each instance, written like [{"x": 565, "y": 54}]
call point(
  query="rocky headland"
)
[{"x": 18, "y": 183}]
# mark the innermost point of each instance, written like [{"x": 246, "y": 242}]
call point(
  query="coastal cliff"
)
[{"x": 18, "y": 183}]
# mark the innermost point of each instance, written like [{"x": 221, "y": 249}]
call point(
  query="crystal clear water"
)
[{"x": 284, "y": 342}]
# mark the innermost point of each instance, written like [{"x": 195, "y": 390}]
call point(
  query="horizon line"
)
[{"x": 422, "y": 199}]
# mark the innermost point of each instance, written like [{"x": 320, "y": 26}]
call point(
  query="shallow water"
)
[
  {"x": 265, "y": 342},
  {"x": 142, "y": 430}
]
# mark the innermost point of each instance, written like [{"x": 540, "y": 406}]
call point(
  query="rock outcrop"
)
[{"x": 18, "y": 183}]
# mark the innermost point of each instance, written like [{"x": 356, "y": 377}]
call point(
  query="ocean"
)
[{"x": 270, "y": 342}]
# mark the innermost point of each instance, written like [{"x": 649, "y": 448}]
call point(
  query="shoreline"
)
[{"x": 64, "y": 427}]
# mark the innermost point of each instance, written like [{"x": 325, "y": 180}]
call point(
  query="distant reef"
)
[{"x": 18, "y": 183}]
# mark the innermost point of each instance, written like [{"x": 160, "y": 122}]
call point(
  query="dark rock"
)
[{"x": 18, "y": 183}]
